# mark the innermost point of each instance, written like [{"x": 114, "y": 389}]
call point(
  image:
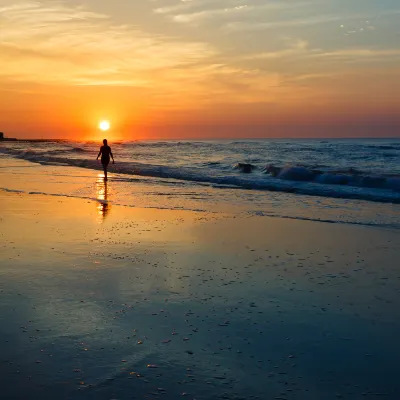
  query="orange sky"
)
[{"x": 176, "y": 69}]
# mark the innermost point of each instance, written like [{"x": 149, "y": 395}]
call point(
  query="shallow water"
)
[
  {"x": 155, "y": 192},
  {"x": 351, "y": 169}
]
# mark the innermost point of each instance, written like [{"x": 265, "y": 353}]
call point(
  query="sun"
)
[{"x": 104, "y": 125}]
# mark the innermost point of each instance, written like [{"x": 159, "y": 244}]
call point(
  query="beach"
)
[
  {"x": 199, "y": 199},
  {"x": 108, "y": 301}
]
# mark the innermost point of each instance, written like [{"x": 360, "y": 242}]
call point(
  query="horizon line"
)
[{"x": 207, "y": 138}]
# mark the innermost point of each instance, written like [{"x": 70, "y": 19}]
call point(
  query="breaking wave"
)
[
  {"x": 349, "y": 177},
  {"x": 349, "y": 183}
]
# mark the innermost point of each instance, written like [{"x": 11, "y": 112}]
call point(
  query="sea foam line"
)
[{"x": 241, "y": 181}]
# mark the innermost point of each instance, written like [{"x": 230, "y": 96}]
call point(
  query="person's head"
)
[{"x": 105, "y": 142}]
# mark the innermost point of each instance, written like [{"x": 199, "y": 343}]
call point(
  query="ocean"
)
[{"x": 353, "y": 181}]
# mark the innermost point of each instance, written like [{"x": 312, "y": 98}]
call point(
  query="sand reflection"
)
[{"x": 103, "y": 207}]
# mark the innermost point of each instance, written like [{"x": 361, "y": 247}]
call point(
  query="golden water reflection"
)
[{"x": 103, "y": 206}]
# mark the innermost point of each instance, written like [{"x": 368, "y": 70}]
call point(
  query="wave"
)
[
  {"x": 289, "y": 179},
  {"x": 165, "y": 144},
  {"x": 244, "y": 167},
  {"x": 349, "y": 177},
  {"x": 385, "y": 147},
  {"x": 78, "y": 150}
]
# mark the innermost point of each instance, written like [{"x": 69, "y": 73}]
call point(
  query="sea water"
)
[{"x": 341, "y": 181}]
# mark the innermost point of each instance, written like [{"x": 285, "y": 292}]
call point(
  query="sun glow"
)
[{"x": 104, "y": 126}]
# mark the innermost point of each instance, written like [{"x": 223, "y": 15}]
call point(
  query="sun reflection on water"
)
[{"x": 103, "y": 206}]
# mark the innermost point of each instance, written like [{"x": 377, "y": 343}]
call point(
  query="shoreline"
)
[
  {"x": 258, "y": 185},
  {"x": 247, "y": 215},
  {"x": 20, "y": 175}
]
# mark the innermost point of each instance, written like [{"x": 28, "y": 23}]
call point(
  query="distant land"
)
[{"x": 3, "y": 138}]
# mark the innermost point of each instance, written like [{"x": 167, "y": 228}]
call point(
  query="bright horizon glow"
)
[
  {"x": 200, "y": 69},
  {"x": 104, "y": 125}
]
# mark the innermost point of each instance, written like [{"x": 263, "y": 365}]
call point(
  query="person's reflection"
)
[{"x": 103, "y": 207}]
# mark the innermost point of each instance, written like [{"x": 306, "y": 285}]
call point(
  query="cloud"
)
[
  {"x": 185, "y": 6},
  {"x": 206, "y": 14},
  {"x": 260, "y": 26},
  {"x": 51, "y": 41},
  {"x": 362, "y": 53},
  {"x": 310, "y": 18},
  {"x": 240, "y": 9},
  {"x": 299, "y": 48},
  {"x": 295, "y": 48},
  {"x": 55, "y": 43}
]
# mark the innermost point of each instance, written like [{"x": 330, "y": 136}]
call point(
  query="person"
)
[{"x": 105, "y": 152}]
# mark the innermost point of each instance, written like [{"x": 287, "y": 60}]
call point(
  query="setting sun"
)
[{"x": 104, "y": 125}]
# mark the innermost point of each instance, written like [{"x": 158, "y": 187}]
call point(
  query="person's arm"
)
[
  {"x": 111, "y": 154},
  {"x": 98, "y": 155}
]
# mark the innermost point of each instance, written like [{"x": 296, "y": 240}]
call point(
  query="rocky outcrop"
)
[{"x": 3, "y": 138}]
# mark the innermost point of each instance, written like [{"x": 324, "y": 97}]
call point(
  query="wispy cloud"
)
[
  {"x": 260, "y": 26},
  {"x": 205, "y": 10},
  {"x": 57, "y": 43},
  {"x": 51, "y": 41},
  {"x": 206, "y": 14},
  {"x": 361, "y": 53},
  {"x": 295, "y": 48},
  {"x": 313, "y": 17},
  {"x": 299, "y": 48},
  {"x": 186, "y": 6},
  {"x": 241, "y": 11}
]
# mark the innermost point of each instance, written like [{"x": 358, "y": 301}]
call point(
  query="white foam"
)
[{"x": 291, "y": 178}]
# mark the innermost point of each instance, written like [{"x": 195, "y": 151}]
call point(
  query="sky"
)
[{"x": 199, "y": 68}]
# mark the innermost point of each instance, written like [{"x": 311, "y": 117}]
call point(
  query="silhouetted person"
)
[{"x": 105, "y": 152}]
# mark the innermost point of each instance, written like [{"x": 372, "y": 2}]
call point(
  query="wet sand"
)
[{"x": 107, "y": 302}]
